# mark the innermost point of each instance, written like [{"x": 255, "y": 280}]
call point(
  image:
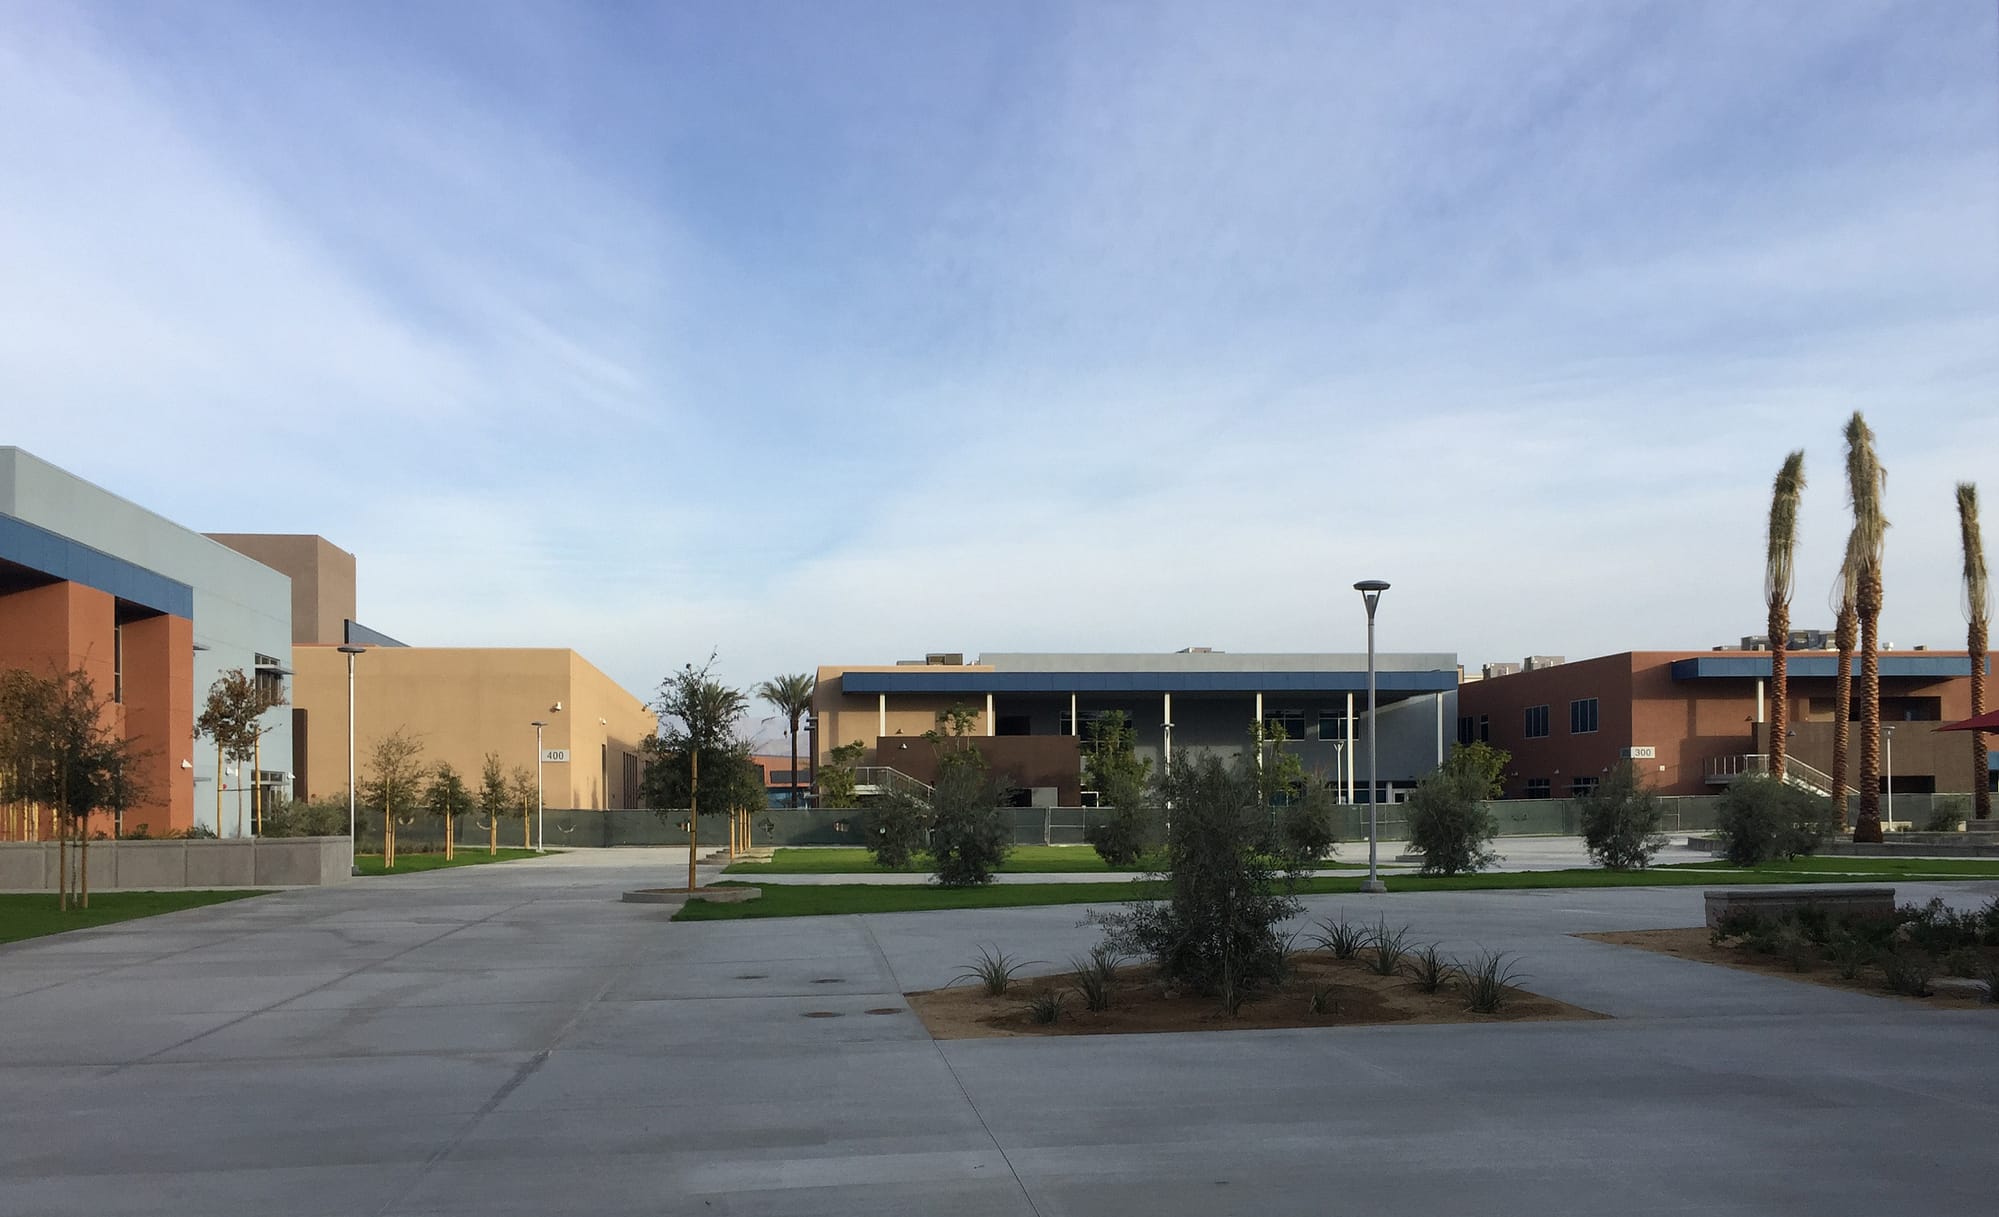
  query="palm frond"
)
[
  {"x": 1865, "y": 480},
  {"x": 1783, "y": 535},
  {"x": 1977, "y": 590}
]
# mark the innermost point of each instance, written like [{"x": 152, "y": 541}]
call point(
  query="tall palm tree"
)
[
  {"x": 1977, "y": 611},
  {"x": 792, "y": 697},
  {"x": 1781, "y": 544},
  {"x": 1864, "y": 480},
  {"x": 1846, "y": 625}
]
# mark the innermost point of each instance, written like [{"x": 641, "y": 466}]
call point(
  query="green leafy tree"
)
[
  {"x": 791, "y": 696},
  {"x": 58, "y": 750},
  {"x": 232, "y": 716},
  {"x": 898, "y": 829},
  {"x": 697, "y": 749},
  {"x": 447, "y": 798},
  {"x": 1621, "y": 819},
  {"x": 1448, "y": 820},
  {"x": 970, "y": 831},
  {"x": 837, "y": 784},
  {"x": 1231, "y": 889},
  {"x": 1122, "y": 780},
  {"x": 393, "y": 781}
]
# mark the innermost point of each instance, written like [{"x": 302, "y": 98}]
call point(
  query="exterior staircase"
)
[
  {"x": 1721, "y": 770},
  {"x": 878, "y": 780}
]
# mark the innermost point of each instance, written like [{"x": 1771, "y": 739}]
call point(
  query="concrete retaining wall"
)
[{"x": 156, "y": 865}]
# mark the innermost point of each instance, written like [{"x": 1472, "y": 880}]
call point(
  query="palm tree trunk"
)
[
  {"x": 83, "y": 864},
  {"x": 1868, "y": 827},
  {"x": 1842, "y": 711},
  {"x": 794, "y": 762},
  {"x": 1981, "y": 764},
  {"x": 1780, "y": 685}
]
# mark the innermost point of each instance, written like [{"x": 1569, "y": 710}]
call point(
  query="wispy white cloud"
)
[{"x": 811, "y": 339}]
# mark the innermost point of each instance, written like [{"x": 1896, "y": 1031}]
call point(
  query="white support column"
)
[
  {"x": 1257, "y": 721},
  {"x": 1166, "y": 741},
  {"x": 1759, "y": 703},
  {"x": 989, "y": 714},
  {"x": 1353, "y": 751},
  {"x": 1440, "y": 728},
  {"x": 881, "y": 727},
  {"x": 1075, "y": 728}
]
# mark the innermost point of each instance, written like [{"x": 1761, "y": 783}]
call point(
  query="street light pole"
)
[
  {"x": 1889, "y": 733},
  {"x": 1370, "y": 594},
  {"x": 353, "y": 833},
  {"x": 539, "y": 847}
]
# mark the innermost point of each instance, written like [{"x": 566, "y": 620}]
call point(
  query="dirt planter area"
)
[
  {"x": 1142, "y": 1004},
  {"x": 1698, "y": 945}
]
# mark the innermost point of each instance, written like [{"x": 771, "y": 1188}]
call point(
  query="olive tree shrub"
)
[
  {"x": 1762, "y": 818},
  {"x": 1448, "y": 820},
  {"x": 1620, "y": 820}
]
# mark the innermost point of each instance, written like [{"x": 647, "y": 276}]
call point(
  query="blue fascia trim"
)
[
  {"x": 1740, "y": 667},
  {"x": 72, "y": 561},
  {"x": 1145, "y": 682}
]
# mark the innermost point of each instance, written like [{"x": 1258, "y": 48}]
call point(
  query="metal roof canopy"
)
[{"x": 932, "y": 681}]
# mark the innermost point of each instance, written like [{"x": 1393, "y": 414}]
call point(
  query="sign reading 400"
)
[{"x": 555, "y": 756}]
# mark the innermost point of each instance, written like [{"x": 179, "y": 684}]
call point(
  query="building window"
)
[
  {"x": 1484, "y": 729},
  {"x": 1582, "y": 716},
  {"x": 1578, "y": 787},
  {"x": 1290, "y": 722},
  {"x": 1467, "y": 729},
  {"x": 1333, "y": 725},
  {"x": 117, "y": 663},
  {"x": 1536, "y": 726},
  {"x": 1539, "y": 788},
  {"x": 1088, "y": 720}
]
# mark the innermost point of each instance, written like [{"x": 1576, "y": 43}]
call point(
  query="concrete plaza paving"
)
[{"x": 512, "y": 1040}]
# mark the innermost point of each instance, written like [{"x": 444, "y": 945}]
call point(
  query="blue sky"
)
[{"x": 842, "y": 332}]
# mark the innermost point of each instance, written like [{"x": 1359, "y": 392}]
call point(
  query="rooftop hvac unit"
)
[
  {"x": 1534, "y": 663},
  {"x": 944, "y": 659}
]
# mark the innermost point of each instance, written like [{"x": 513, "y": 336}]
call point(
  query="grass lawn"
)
[
  {"x": 1023, "y": 860},
  {"x": 33, "y": 914},
  {"x": 1887, "y": 868},
  {"x": 371, "y": 864},
  {"x": 788, "y": 900}
]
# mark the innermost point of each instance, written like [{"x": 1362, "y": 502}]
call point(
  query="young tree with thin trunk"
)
[
  {"x": 1865, "y": 481},
  {"x": 233, "y": 717},
  {"x": 1977, "y": 611},
  {"x": 522, "y": 791},
  {"x": 393, "y": 782},
  {"x": 1846, "y": 628},
  {"x": 698, "y": 716},
  {"x": 1781, "y": 543},
  {"x": 447, "y": 798},
  {"x": 58, "y": 749},
  {"x": 791, "y": 696},
  {"x": 493, "y": 799}
]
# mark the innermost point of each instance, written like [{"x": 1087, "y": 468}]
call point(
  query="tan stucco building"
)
[
  {"x": 464, "y": 702},
  {"x": 461, "y": 702}
]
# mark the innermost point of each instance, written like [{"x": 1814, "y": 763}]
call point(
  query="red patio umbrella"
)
[{"x": 1988, "y": 721}]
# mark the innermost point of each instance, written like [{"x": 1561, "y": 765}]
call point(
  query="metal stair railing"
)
[
  {"x": 880, "y": 779},
  {"x": 1796, "y": 772}
]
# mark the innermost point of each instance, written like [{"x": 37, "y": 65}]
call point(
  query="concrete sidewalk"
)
[{"x": 512, "y": 1040}]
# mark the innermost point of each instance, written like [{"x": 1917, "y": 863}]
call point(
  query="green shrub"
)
[
  {"x": 1850, "y": 953},
  {"x": 1621, "y": 819},
  {"x": 1967, "y": 962},
  {"x": 1096, "y": 976},
  {"x": 1761, "y": 819},
  {"x": 1217, "y": 931},
  {"x": 1991, "y": 978},
  {"x": 306, "y": 818},
  {"x": 994, "y": 970},
  {"x": 1449, "y": 823},
  {"x": 1340, "y": 936},
  {"x": 139, "y": 832},
  {"x": 898, "y": 829},
  {"x": 1488, "y": 982},
  {"x": 1946, "y": 814},
  {"x": 1736, "y": 923},
  {"x": 1908, "y": 971},
  {"x": 1936, "y": 929},
  {"x": 1046, "y": 1007},
  {"x": 1794, "y": 946},
  {"x": 1323, "y": 1000},
  {"x": 1305, "y": 827}
]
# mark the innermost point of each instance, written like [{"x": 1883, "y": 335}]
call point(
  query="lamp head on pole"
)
[
  {"x": 540, "y": 722},
  {"x": 1370, "y": 593},
  {"x": 351, "y": 650}
]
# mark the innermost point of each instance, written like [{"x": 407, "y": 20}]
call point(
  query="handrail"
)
[
  {"x": 892, "y": 781},
  {"x": 1796, "y": 771}
]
